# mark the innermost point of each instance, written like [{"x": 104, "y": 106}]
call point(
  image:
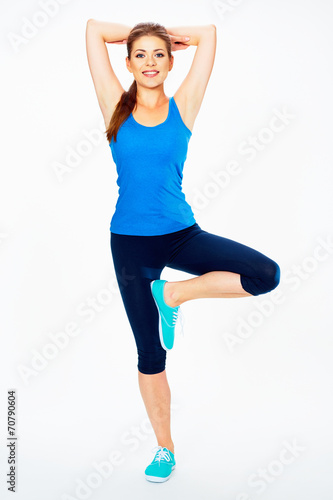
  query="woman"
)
[{"x": 153, "y": 226}]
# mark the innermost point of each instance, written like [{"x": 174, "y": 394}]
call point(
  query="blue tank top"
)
[{"x": 149, "y": 162}]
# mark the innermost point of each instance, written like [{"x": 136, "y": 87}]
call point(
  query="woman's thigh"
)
[
  {"x": 204, "y": 252},
  {"x": 138, "y": 261}
]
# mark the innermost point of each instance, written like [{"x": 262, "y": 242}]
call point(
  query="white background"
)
[{"x": 235, "y": 410}]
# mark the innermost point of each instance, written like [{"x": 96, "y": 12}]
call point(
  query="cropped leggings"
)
[{"x": 140, "y": 259}]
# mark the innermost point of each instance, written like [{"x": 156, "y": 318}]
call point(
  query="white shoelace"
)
[
  {"x": 162, "y": 454},
  {"x": 179, "y": 314}
]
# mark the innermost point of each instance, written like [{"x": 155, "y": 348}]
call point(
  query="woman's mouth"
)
[{"x": 150, "y": 74}]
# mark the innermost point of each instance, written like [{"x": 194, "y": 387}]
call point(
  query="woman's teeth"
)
[{"x": 150, "y": 73}]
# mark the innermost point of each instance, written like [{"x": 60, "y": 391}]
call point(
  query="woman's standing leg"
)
[
  {"x": 156, "y": 394},
  {"x": 137, "y": 261}
]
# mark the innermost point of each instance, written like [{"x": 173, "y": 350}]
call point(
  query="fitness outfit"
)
[
  {"x": 153, "y": 227},
  {"x": 150, "y": 163}
]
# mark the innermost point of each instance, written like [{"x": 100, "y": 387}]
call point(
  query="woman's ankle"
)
[
  {"x": 169, "y": 446},
  {"x": 171, "y": 297}
]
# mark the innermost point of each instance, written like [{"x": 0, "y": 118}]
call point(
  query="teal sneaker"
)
[
  {"x": 167, "y": 315},
  {"x": 162, "y": 466}
]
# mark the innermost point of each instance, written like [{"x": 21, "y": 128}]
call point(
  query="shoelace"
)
[
  {"x": 182, "y": 320},
  {"x": 175, "y": 314},
  {"x": 162, "y": 454}
]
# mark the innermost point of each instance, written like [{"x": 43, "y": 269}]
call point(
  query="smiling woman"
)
[
  {"x": 149, "y": 59},
  {"x": 153, "y": 225},
  {"x": 149, "y": 48}
]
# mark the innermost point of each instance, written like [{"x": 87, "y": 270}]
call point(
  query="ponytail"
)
[{"x": 122, "y": 111}]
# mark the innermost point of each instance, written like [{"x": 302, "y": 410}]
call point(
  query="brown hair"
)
[{"x": 127, "y": 101}]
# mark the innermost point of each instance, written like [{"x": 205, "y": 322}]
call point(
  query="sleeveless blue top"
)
[{"x": 149, "y": 162}]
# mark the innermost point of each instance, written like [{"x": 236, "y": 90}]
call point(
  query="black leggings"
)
[{"x": 140, "y": 259}]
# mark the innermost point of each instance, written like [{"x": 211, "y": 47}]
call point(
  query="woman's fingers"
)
[
  {"x": 178, "y": 38},
  {"x": 180, "y": 46},
  {"x": 179, "y": 42}
]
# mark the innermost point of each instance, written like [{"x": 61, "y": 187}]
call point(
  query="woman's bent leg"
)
[
  {"x": 214, "y": 284},
  {"x": 226, "y": 268}
]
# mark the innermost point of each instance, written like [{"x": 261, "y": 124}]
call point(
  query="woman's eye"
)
[{"x": 158, "y": 54}]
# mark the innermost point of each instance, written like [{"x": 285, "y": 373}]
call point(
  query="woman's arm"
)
[
  {"x": 191, "y": 92},
  {"x": 107, "y": 86}
]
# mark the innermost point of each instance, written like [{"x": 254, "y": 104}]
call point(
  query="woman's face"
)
[{"x": 149, "y": 54}]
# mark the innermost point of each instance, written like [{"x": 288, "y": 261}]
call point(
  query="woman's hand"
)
[{"x": 179, "y": 42}]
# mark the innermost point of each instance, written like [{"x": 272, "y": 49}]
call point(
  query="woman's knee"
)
[
  {"x": 151, "y": 362},
  {"x": 267, "y": 278},
  {"x": 272, "y": 275}
]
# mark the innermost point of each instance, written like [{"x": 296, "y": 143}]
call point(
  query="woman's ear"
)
[{"x": 128, "y": 64}]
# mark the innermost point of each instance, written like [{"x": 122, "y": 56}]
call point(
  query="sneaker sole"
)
[
  {"x": 155, "y": 479},
  {"x": 159, "y": 321}
]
